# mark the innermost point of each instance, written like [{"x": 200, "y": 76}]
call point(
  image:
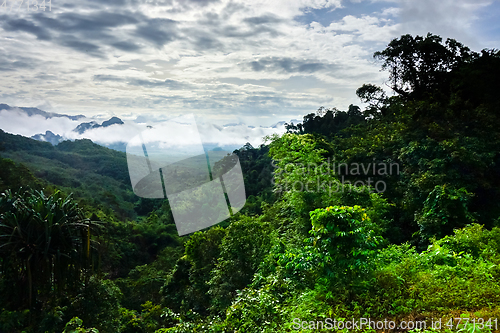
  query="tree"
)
[
  {"x": 242, "y": 249},
  {"x": 374, "y": 96},
  {"x": 15, "y": 175},
  {"x": 344, "y": 237},
  {"x": 45, "y": 244},
  {"x": 187, "y": 286},
  {"x": 418, "y": 64},
  {"x": 445, "y": 209},
  {"x": 75, "y": 326}
]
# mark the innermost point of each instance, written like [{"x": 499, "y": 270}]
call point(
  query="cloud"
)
[
  {"x": 84, "y": 47},
  {"x": 117, "y": 3},
  {"x": 100, "y": 21},
  {"x": 236, "y": 135},
  {"x": 219, "y": 59},
  {"x": 108, "y": 78},
  {"x": 157, "y": 31},
  {"x": 18, "y": 122},
  {"x": 126, "y": 46},
  {"x": 286, "y": 65},
  {"x": 89, "y": 29},
  {"x": 26, "y": 26},
  {"x": 264, "y": 19},
  {"x": 13, "y": 63},
  {"x": 170, "y": 84}
]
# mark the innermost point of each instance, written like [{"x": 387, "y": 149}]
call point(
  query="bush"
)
[
  {"x": 445, "y": 209},
  {"x": 345, "y": 239},
  {"x": 98, "y": 304},
  {"x": 75, "y": 326}
]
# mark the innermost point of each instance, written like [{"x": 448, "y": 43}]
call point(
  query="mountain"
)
[
  {"x": 278, "y": 124},
  {"x": 80, "y": 129},
  {"x": 234, "y": 124},
  {"x": 229, "y": 136},
  {"x": 282, "y": 123},
  {"x": 35, "y": 111},
  {"x": 96, "y": 175},
  {"x": 112, "y": 121},
  {"x": 54, "y": 139}
]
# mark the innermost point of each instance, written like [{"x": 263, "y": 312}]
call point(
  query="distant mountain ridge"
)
[
  {"x": 282, "y": 123},
  {"x": 54, "y": 139},
  {"x": 90, "y": 125},
  {"x": 51, "y": 137},
  {"x": 36, "y": 111},
  {"x": 229, "y": 136}
]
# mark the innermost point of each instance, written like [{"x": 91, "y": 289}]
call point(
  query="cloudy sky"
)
[{"x": 253, "y": 61}]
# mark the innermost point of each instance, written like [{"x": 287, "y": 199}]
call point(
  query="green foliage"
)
[
  {"x": 187, "y": 286},
  {"x": 421, "y": 64},
  {"x": 440, "y": 278},
  {"x": 307, "y": 179},
  {"x": 297, "y": 267},
  {"x": 254, "y": 311},
  {"x": 439, "y": 128},
  {"x": 18, "y": 142},
  {"x": 345, "y": 240},
  {"x": 302, "y": 247},
  {"x": 369, "y": 93},
  {"x": 127, "y": 244},
  {"x": 257, "y": 175},
  {"x": 13, "y": 321},
  {"x": 96, "y": 175},
  {"x": 16, "y": 175},
  {"x": 297, "y": 158},
  {"x": 143, "y": 283},
  {"x": 150, "y": 319},
  {"x": 98, "y": 304},
  {"x": 75, "y": 326},
  {"x": 243, "y": 248},
  {"x": 474, "y": 240},
  {"x": 328, "y": 122},
  {"x": 45, "y": 242},
  {"x": 445, "y": 209}
]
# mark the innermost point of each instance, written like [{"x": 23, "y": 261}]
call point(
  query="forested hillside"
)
[
  {"x": 98, "y": 176},
  {"x": 391, "y": 212}
]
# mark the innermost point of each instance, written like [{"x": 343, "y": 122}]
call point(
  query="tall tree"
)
[
  {"x": 45, "y": 244},
  {"x": 419, "y": 64}
]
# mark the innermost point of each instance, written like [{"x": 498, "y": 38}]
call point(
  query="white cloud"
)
[
  {"x": 18, "y": 122},
  {"x": 171, "y": 57}
]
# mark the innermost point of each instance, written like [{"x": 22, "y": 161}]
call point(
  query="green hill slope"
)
[{"x": 96, "y": 175}]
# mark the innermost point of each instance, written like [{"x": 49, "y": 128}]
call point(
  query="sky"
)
[{"x": 251, "y": 61}]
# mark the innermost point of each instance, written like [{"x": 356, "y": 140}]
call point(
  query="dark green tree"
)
[
  {"x": 417, "y": 65},
  {"x": 45, "y": 246}
]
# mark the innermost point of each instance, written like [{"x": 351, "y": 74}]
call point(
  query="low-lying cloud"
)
[{"x": 15, "y": 121}]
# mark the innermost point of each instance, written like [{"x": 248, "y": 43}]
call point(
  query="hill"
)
[{"x": 98, "y": 176}]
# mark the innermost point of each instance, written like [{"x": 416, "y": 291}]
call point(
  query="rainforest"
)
[{"x": 80, "y": 252}]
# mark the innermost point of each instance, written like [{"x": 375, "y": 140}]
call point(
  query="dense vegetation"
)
[
  {"x": 391, "y": 212},
  {"x": 98, "y": 176}
]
